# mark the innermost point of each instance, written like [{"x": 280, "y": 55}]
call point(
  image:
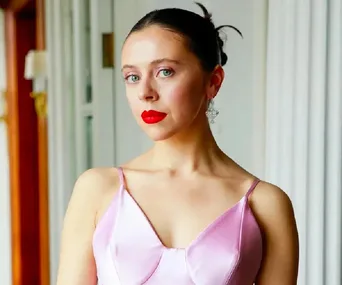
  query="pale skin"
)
[{"x": 185, "y": 167}]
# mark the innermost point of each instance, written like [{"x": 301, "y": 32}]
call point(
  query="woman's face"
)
[{"x": 166, "y": 86}]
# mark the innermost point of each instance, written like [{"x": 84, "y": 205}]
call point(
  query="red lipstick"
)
[{"x": 152, "y": 116}]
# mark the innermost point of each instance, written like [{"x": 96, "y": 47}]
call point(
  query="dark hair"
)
[{"x": 202, "y": 37}]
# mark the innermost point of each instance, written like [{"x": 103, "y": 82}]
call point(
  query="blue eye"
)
[
  {"x": 132, "y": 78},
  {"x": 166, "y": 72}
]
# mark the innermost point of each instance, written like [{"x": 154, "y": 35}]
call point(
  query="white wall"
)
[
  {"x": 240, "y": 126},
  {"x": 5, "y": 230}
]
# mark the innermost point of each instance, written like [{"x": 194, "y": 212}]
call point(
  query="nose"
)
[{"x": 147, "y": 91}]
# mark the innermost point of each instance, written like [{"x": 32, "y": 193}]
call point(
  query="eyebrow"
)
[{"x": 154, "y": 62}]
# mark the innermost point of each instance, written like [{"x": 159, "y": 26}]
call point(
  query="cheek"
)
[{"x": 185, "y": 99}]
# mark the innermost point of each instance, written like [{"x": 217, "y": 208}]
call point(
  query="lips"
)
[{"x": 152, "y": 116}]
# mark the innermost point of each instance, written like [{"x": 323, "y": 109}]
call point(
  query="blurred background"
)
[{"x": 63, "y": 110}]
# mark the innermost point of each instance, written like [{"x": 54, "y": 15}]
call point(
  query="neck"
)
[{"x": 190, "y": 151}]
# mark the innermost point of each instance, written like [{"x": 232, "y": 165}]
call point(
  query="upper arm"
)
[
  {"x": 77, "y": 264},
  {"x": 274, "y": 212}
]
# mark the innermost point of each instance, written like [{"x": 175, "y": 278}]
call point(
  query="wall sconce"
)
[
  {"x": 35, "y": 70},
  {"x": 40, "y": 103},
  {"x": 3, "y": 102}
]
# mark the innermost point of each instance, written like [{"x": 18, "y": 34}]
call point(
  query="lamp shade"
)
[{"x": 35, "y": 65}]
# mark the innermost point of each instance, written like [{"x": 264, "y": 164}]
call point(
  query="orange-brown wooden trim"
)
[
  {"x": 13, "y": 145},
  {"x": 43, "y": 162},
  {"x": 17, "y": 5},
  {"x": 43, "y": 203},
  {"x": 40, "y": 23},
  {"x": 13, "y": 5},
  {"x": 23, "y": 140}
]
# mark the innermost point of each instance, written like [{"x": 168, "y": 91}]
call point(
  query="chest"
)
[{"x": 179, "y": 212}]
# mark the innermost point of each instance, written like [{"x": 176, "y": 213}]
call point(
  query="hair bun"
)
[
  {"x": 223, "y": 58},
  {"x": 223, "y": 55}
]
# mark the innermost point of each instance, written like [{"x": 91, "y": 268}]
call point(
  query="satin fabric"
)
[{"x": 128, "y": 251}]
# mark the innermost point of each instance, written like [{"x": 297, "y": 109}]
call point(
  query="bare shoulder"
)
[
  {"x": 96, "y": 182},
  {"x": 97, "y": 179},
  {"x": 77, "y": 263},
  {"x": 274, "y": 213},
  {"x": 271, "y": 204},
  {"x": 92, "y": 188}
]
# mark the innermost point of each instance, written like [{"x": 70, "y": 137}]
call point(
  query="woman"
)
[{"x": 184, "y": 212}]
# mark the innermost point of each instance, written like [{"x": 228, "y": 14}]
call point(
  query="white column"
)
[
  {"x": 303, "y": 136},
  {"x": 60, "y": 122},
  {"x": 102, "y": 17}
]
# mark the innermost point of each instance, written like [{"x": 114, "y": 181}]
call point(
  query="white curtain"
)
[{"x": 304, "y": 127}]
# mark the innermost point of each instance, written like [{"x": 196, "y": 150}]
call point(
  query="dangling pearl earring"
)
[{"x": 211, "y": 112}]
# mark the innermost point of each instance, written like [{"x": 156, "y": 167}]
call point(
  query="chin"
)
[{"x": 159, "y": 134}]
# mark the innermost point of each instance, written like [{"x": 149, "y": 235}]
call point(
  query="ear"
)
[{"x": 215, "y": 81}]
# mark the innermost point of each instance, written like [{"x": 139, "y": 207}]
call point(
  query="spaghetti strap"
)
[
  {"x": 254, "y": 185},
  {"x": 121, "y": 176}
]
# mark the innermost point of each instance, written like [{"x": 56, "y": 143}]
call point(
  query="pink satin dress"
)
[{"x": 128, "y": 251}]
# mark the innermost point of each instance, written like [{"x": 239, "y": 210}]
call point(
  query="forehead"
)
[{"x": 154, "y": 43}]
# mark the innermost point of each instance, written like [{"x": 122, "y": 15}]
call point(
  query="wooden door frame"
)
[
  {"x": 43, "y": 161},
  {"x": 22, "y": 135},
  {"x": 39, "y": 229}
]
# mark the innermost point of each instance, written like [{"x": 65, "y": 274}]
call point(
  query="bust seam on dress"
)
[
  {"x": 153, "y": 271},
  {"x": 187, "y": 267},
  {"x": 113, "y": 263},
  {"x": 239, "y": 245}
]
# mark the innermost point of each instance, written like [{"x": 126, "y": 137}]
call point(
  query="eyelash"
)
[{"x": 161, "y": 70}]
